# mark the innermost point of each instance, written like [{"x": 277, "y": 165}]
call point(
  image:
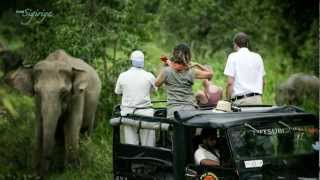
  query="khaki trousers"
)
[{"x": 253, "y": 100}]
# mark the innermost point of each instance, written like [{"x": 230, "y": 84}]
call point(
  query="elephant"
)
[
  {"x": 66, "y": 92},
  {"x": 298, "y": 89}
]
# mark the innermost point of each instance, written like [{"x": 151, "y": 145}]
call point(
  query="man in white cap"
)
[{"x": 135, "y": 86}]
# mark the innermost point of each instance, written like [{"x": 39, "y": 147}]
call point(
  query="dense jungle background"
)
[{"x": 284, "y": 32}]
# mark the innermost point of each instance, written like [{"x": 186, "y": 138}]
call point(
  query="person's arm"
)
[
  {"x": 199, "y": 74},
  {"x": 160, "y": 79},
  {"x": 229, "y": 88},
  {"x": 263, "y": 73},
  {"x": 230, "y": 72},
  {"x": 118, "y": 88},
  {"x": 199, "y": 66},
  {"x": 206, "y": 85},
  {"x": 152, "y": 81},
  {"x": 202, "y": 157},
  {"x": 202, "y": 72},
  {"x": 209, "y": 162}
]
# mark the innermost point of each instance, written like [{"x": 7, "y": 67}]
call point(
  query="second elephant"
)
[{"x": 300, "y": 89}]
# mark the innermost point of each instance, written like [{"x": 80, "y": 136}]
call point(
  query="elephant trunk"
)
[{"x": 50, "y": 110}]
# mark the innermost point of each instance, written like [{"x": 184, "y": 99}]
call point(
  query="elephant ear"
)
[
  {"x": 80, "y": 81},
  {"x": 21, "y": 79},
  {"x": 79, "y": 72}
]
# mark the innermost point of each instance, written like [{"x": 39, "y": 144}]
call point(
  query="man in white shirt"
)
[
  {"x": 245, "y": 71},
  {"x": 207, "y": 154},
  {"x": 135, "y": 86}
]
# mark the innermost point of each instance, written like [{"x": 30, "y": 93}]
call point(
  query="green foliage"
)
[
  {"x": 309, "y": 52},
  {"x": 209, "y": 26},
  {"x": 83, "y": 35},
  {"x": 6, "y": 104},
  {"x": 96, "y": 157},
  {"x": 16, "y": 135}
]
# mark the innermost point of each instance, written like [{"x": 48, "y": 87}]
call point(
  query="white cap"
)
[{"x": 137, "y": 58}]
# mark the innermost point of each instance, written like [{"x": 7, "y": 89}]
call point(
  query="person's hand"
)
[{"x": 165, "y": 60}]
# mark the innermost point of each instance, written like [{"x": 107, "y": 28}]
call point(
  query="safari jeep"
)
[{"x": 269, "y": 143}]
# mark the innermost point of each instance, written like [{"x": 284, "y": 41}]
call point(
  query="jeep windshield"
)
[{"x": 276, "y": 139}]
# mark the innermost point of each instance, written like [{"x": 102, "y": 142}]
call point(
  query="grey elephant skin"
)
[
  {"x": 297, "y": 89},
  {"x": 66, "y": 91}
]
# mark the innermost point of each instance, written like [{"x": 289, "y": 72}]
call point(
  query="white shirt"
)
[
  {"x": 135, "y": 86},
  {"x": 247, "y": 69},
  {"x": 201, "y": 154}
]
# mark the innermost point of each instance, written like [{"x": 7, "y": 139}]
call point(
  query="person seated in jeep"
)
[
  {"x": 210, "y": 95},
  {"x": 207, "y": 154}
]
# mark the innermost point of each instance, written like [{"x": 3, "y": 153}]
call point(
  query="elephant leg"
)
[
  {"x": 38, "y": 151},
  {"x": 72, "y": 127},
  {"x": 90, "y": 105},
  {"x": 59, "y": 136},
  {"x": 37, "y": 154},
  {"x": 43, "y": 149},
  {"x": 48, "y": 141}
]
